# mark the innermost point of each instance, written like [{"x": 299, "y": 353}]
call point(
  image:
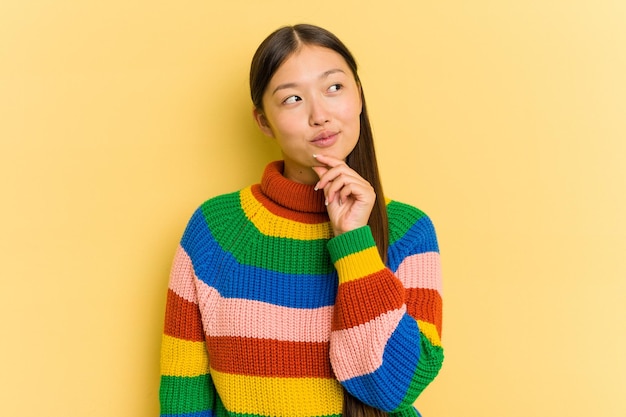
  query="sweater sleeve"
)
[
  {"x": 186, "y": 387},
  {"x": 385, "y": 340}
]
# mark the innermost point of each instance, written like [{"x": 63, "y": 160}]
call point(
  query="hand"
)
[{"x": 349, "y": 197}]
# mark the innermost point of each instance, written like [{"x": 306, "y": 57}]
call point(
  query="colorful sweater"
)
[{"x": 268, "y": 314}]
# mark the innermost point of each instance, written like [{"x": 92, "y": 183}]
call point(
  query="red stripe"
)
[
  {"x": 269, "y": 357},
  {"x": 425, "y": 304},
  {"x": 366, "y": 298},
  {"x": 182, "y": 318}
]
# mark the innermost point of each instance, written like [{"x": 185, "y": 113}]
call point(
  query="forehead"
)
[{"x": 309, "y": 61}]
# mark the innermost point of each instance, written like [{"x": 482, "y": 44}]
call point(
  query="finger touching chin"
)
[{"x": 320, "y": 170}]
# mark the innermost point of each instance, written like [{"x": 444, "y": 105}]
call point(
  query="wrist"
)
[{"x": 337, "y": 231}]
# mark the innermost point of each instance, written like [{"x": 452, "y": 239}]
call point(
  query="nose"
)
[{"x": 319, "y": 113}]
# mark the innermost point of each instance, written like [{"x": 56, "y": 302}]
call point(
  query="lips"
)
[{"x": 325, "y": 139}]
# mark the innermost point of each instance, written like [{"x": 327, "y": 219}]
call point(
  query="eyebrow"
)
[{"x": 325, "y": 74}]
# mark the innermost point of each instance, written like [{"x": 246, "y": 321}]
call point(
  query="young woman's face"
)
[{"x": 311, "y": 106}]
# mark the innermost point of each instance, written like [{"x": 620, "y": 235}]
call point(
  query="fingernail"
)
[
  {"x": 314, "y": 155},
  {"x": 316, "y": 186},
  {"x": 326, "y": 202}
]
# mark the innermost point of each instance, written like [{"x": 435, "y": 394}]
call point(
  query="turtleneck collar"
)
[{"x": 290, "y": 194}]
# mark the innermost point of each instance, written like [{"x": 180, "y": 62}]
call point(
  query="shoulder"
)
[
  {"x": 221, "y": 205},
  {"x": 410, "y": 228},
  {"x": 404, "y": 216},
  {"x": 213, "y": 215}
]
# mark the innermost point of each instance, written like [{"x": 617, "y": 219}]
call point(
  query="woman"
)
[{"x": 308, "y": 294}]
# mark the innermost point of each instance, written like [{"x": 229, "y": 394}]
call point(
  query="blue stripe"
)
[
  {"x": 386, "y": 387},
  {"x": 221, "y": 270},
  {"x": 420, "y": 238},
  {"x": 287, "y": 290}
]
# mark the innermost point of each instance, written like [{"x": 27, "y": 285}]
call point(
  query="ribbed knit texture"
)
[{"x": 268, "y": 314}]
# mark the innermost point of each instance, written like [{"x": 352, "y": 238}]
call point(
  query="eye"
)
[
  {"x": 334, "y": 88},
  {"x": 291, "y": 100}
]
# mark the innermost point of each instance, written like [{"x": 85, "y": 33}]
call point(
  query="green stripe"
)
[
  {"x": 236, "y": 234},
  {"x": 350, "y": 242},
  {"x": 401, "y": 218},
  {"x": 181, "y": 395}
]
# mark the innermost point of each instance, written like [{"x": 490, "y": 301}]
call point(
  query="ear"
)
[{"x": 262, "y": 122}]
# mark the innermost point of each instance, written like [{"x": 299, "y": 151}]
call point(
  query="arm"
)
[{"x": 385, "y": 341}]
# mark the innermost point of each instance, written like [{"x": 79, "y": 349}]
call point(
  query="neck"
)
[{"x": 299, "y": 173}]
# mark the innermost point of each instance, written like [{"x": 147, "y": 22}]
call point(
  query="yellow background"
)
[{"x": 504, "y": 120}]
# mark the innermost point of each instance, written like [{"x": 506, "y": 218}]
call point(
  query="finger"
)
[
  {"x": 356, "y": 192},
  {"x": 331, "y": 183},
  {"x": 346, "y": 186},
  {"x": 332, "y": 174},
  {"x": 331, "y": 161},
  {"x": 322, "y": 172},
  {"x": 334, "y": 187}
]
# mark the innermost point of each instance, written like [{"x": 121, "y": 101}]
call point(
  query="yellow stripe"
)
[
  {"x": 271, "y": 225},
  {"x": 430, "y": 331},
  {"x": 183, "y": 358},
  {"x": 359, "y": 264},
  {"x": 271, "y": 396}
]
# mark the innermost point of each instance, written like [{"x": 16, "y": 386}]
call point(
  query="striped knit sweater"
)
[{"x": 268, "y": 314}]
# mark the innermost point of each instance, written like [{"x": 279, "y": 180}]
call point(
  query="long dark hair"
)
[{"x": 269, "y": 56}]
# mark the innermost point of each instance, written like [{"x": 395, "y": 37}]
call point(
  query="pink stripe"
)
[
  {"x": 359, "y": 350},
  {"x": 421, "y": 271},
  {"x": 182, "y": 276},
  {"x": 237, "y": 317}
]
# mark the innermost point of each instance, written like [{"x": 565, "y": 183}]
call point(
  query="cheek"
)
[
  {"x": 287, "y": 125},
  {"x": 351, "y": 114},
  {"x": 351, "y": 110}
]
